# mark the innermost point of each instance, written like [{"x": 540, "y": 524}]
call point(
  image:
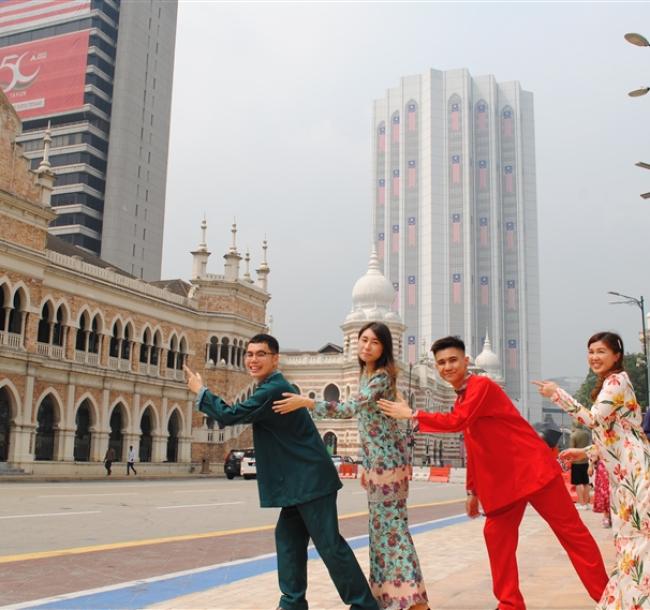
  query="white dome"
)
[
  {"x": 373, "y": 289},
  {"x": 373, "y": 295},
  {"x": 487, "y": 359}
]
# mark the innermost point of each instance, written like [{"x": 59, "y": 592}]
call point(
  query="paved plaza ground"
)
[{"x": 452, "y": 554}]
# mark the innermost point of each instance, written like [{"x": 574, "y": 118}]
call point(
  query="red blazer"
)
[{"x": 506, "y": 458}]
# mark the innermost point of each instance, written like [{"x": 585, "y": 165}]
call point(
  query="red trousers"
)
[{"x": 554, "y": 505}]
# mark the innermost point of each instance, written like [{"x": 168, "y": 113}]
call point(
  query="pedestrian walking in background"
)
[
  {"x": 395, "y": 574},
  {"x": 294, "y": 472},
  {"x": 109, "y": 458},
  {"x": 130, "y": 461},
  {"x": 580, "y": 439},
  {"x": 508, "y": 467},
  {"x": 621, "y": 444}
]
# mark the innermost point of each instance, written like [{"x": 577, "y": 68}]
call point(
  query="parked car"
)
[
  {"x": 247, "y": 468},
  {"x": 232, "y": 463}
]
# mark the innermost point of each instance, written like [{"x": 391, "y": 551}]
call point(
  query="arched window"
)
[
  {"x": 93, "y": 336},
  {"x": 182, "y": 356},
  {"x": 57, "y": 335},
  {"x": 331, "y": 393},
  {"x": 5, "y": 424},
  {"x": 225, "y": 350},
  {"x": 213, "y": 350},
  {"x": 172, "y": 352},
  {"x": 155, "y": 349},
  {"x": 16, "y": 313},
  {"x": 145, "y": 347},
  {"x": 82, "y": 331},
  {"x": 82, "y": 432},
  {"x": 44, "y": 324},
  {"x": 127, "y": 342},
  {"x": 116, "y": 438},
  {"x": 331, "y": 442},
  {"x": 116, "y": 338},
  {"x": 46, "y": 423},
  {"x": 146, "y": 438},
  {"x": 173, "y": 428},
  {"x": 5, "y": 298}
]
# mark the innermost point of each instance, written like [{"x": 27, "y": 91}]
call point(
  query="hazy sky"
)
[{"x": 271, "y": 123}]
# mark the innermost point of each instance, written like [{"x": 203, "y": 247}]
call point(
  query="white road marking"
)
[
  {"x": 198, "y": 505},
  {"x": 130, "y": 493},
  {"x": 85, "y": 512}
]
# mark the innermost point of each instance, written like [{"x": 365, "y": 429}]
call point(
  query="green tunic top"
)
[{"x": 293, "y": 466}]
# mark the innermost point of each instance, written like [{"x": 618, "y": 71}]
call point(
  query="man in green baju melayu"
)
[{"x": 294, "y": 472}]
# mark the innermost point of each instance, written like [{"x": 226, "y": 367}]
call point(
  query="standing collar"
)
[{"x": 461, "y": 390}]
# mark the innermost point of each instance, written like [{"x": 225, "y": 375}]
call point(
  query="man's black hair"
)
[
  {"x": 272, "y": 342},
  {"x": 446, "y": 343}
]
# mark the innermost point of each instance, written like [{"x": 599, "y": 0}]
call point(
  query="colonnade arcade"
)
[{"x": 54, "y": 434}]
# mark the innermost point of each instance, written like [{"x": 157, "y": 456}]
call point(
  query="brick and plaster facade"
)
[{"x": 91, "y": 357}]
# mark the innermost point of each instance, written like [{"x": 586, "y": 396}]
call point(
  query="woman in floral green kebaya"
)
[
  {"x": 619, "y": 441},
  {"x": 395, "y": 575}
]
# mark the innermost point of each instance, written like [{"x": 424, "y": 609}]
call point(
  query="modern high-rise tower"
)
[
  {"x": 99, "y": 74},
  {"x": 455, "y": 217}
]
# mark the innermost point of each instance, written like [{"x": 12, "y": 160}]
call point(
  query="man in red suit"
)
[{"x": 508, "y": 467}]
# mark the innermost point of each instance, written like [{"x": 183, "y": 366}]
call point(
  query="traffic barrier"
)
[
  {"x": 348, "y": 471},
  {"x": 420, "y": 473},
  {"x": 439, "y": 474},
  {"x": 458, "y": 475}
]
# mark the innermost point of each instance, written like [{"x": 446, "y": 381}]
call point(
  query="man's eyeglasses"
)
[{"x": 260, "y": 354}]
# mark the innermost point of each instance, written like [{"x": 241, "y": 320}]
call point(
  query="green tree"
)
[{"x": 634, "y": 366}]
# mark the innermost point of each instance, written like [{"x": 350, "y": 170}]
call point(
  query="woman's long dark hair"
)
[
  {"x": 386, "y": 360},
  {"x": 615, "y": 343}
]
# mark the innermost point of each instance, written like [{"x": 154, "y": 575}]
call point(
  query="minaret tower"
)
[
  {"x": 263, "y": 270},
  {"x": 201, "y": 255},
  {"x": 232, "y": 257},
  {"x": 44, "y": 172}
]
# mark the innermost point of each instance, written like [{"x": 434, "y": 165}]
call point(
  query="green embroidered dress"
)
[{"x": 395, "y": 575}]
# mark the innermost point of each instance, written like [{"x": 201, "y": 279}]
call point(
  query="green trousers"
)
[{"x": 317, "y": 520}]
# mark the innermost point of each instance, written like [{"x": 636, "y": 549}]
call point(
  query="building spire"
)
[
  {"x": 231, "y": 267},
  {"x": 200, "y": 255},
  {"x": 233, "y": 230},
  {"x": 263, "y": 270},
  {"x": 44, "y": 172},
  {"x": 247, "y": 272}
]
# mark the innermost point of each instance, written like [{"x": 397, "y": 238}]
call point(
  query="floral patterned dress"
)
[
  {"x": 395, "y": 575},
  {"x": 619, "y": 440}
]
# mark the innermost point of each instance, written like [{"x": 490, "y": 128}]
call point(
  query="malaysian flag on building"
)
[
  {"x": 481, "y": 115},
  {"x": 512, "y": 354},
  {"x": 17, "y": 14},
  {"x": 508, "y": 178},
  {"x": 506, "y": 123},
  {"x": 381, "y": 138},
  {"x": 381, "y": 191},
  {"x": 482, "y": 174},
  {"x": 412, "y": 174},
  {"x": 395, "y": 238},
  {"x": 454, "y": 117},
  {"x": 510, "y": 235},
  {"x": 484, "y": 285},
  {"x": 395, "y": 190},
  {"x": 411, "y": 236},
  {"x": 396, "y": 299},
  {"x": 411, "y": 349},
  {"x": 456, "y": 288},
  {"x": 381, "y": 241},
  {"x": 411, "y": 117},
  {"x": 455, "y": 228},
  {"x": 511, "y": 295},
  {"x": 455, "y": 169},
  {"x": 411, "y": 290},
  {"x": 395, "y": 128},
  {"x": 483, "y": 235}
]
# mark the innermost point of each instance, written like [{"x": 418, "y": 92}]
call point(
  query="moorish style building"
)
[{"x": 91, "y": 357}]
